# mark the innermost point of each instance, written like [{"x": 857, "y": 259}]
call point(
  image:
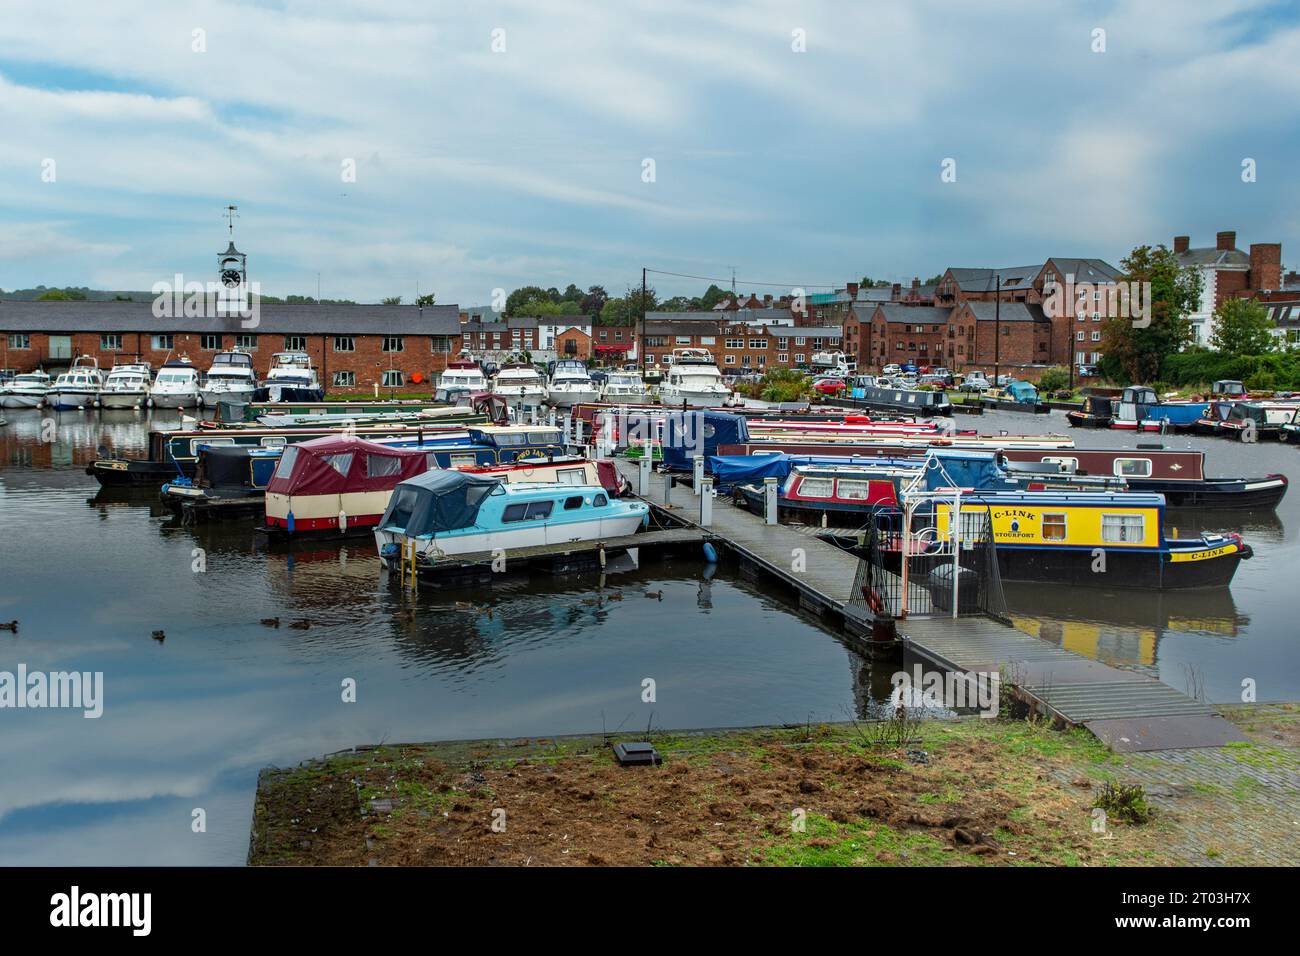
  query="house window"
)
[
  {"x": 730, "y": 360},
  {"x": 210, "y": 343},
  {"x": 440, "y": 343},
  {"x": 246, "y": 342},
  {"x": 758, "y": 343},
  {"x": 344, "y": 379},
  {"x": 1096, "y": 336},
  {"x": 1079, "y": 335},
  {"x": 650, "y": 360},
  {"x": 604, "y": 334},
  {"x": 1123, "y": 529},
  {"x": 110, "y": 343},
  {"x": 708, "y": 340},
  {"x": 163, "y": 343},
  {"x": 799, "y": 340},
  {"x": 295, "y": 343},
  {"x": 683, "y": 340},
  {"x": 798, "y": 358},
  {"x": 744, "y": 360},
  {"x": 618, "y": 335},
  {"x": 1080, "y": 358},
  {"x": 762, "y": 358},
  {"x": 344, "y": 343},
  {"x": 393, "y": 378},
  {"x": 1096, "y": 357},
  {"x": 1053, "y": 526},
  {"x": 817, "y": 343},
  {"x": 783, "y": 357},
  {"x": 1096, "y": 316},
  {"x": 19, "y": 341},
  {"x": 735, "y": 343},
  {"x": 393, "y": 343}
]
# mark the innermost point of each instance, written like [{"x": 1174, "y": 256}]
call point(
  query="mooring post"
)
[
  {"x": 643, "y": 475},
  {"x": 769, "y": 499},
  {"x": 706, "y": 503},
  {"x": 668, "y": 489},
  {"x": 697, "y": 481}
]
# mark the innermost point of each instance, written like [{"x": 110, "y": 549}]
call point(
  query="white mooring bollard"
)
[
  {"x": 643, "y": 476},
  {"x": 706, "y": 503},
  {"x": 698, "y": 477},
  {"x": 769, "y": 500}
]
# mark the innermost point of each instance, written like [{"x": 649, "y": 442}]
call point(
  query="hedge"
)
[{"x": 1273, "y": 370}]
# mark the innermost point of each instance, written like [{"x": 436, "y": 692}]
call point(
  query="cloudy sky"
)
[{"x": 502, "y": 144}]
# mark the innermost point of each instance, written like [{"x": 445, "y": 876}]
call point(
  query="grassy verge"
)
[{"x": 965, "y": 792}]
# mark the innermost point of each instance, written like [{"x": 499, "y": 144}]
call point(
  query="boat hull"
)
[
  {"x": 1243, "y": 494},
  {"x": 567, "y": 398},
  {"x": 175, "y": 399},
  {"x": 123, "y": 399},
  {"x": 22, "y": 400},
  {"x": 68, "y": 399},
  {"x": 211, "y": 397},
  {"x": 540, "y": 533}
]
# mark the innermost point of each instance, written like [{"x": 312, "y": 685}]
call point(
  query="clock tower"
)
[{"x": 231, "y": 267}]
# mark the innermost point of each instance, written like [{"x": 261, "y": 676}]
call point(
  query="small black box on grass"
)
[{"x": 637, "y": 754}]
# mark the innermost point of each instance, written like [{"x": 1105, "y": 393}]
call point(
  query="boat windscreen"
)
[{"x": 437, "y": 501}]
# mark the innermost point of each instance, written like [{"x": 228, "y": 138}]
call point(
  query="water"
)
[{"x": 188, "y": 722}]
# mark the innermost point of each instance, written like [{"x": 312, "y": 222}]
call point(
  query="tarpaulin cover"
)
[
  {"x": 966, "y": 469},
  {"x": 690, "y": 432},
  {"x": 437, "y": 501},
  {"x": 339, "y": 464},
  {"x": 961, "y": 469},
  {"x": 1177, "y": 413},
  {"x": 223, "y": 466},
  {"x": 1022, "y": 392}
]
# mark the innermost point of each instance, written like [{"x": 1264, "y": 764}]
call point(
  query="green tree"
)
[
  {"x": 424, "y": 300},
  {"x": 1242, "y": 327},
  {"x": 627, "y": 310},
  {"x": 594, "y": 300},
  {"x": 392, "y": 300},
  {"x": 517, "y": 298},
  {"x": 53, "y": 295},
  {"x": 1135, "y": 348},
  {"x": 712, "y": 296}
]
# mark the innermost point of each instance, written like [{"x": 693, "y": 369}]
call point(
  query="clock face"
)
[{"x": 230, "y": 277}]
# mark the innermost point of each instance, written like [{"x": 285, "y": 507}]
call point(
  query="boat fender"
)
[
  {"x": 710, "y": 553},
  {"x": 288, "y": 521},
  {"x": 645, "y": 520},
  {"x": 343, "y": 520}
]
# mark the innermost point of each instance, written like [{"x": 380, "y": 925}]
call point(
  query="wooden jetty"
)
[{"x": 1126, "y": 710}]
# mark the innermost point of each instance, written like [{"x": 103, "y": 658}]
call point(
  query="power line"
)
[{"x": 733, "y": 279}]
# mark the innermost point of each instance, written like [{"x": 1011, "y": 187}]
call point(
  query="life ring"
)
[{"x": 873, "y": 600}]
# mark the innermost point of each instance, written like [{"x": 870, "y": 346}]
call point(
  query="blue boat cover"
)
[
  {"x": 1023, "y": 391},
  {"x": 1177, "y": 414},
  {"x": 692, "y": 432},
  {"x": 436, "y": 501},
  {"x": 962, "y": 469}
]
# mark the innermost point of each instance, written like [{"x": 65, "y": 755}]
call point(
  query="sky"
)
[{"x": 501, "y": 144}]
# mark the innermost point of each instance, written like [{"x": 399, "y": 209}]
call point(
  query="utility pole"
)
[
  {"x": 997, "y": 326},
  {"x": 640, "y": 352}
]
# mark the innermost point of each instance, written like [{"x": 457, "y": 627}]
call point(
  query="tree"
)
[
  {"x": 869, "y": 283},
  {"x": 627, "y": 310},
  {"x": 679, "y": 303},
  {"x": 1135, "y": 348},
  {"x": 517, "y": 298},
  {"x": 1242, "y": 327},
  {"x": 933, "y": 280},
  {"x": 712, "y": 296},
  {"x": 594, "y": 300},
  {"x": 424, "y": 300},
  {"x": 572, "y": 294},
  {"x": 53, "y": 295},
  {"x": 393, "y": 300}
]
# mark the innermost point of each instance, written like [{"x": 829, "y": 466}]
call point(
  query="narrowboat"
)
[
  {"x": 911, "y": 400},
  {"x": 453, "y": 514},
  {"x": 1098, "y": 412},
  {"x": 1062, "y": 537},
  {"x": 1252, "y": 421},
  {"x": 1140, "y": 409},
  {"x": 228, "y": 481}
]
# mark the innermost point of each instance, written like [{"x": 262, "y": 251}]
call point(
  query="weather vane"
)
[{"x": 230, "y": 216}]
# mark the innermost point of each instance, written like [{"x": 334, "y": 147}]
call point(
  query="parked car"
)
[
  {"x": 944, "y": 373},
  {"x": 829, "y": 385},
  {"x": 890, "y": 369},
  {"x": 909, "y": 367},
  {"x": 937, "y": 381},
  {"x": 975, "y": 382},
  {"x": 1086, "y": 371}
]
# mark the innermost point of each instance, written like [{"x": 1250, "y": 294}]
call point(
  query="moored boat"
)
[
  {"x": 291, "y": 378},
  {"x": 127, "y": 386},
  {"x": 231, "y": 378},
  {"x": 1098, "y": 412},
  {"x": 25, "y": 390},
  {"x": 177, "y": 385},
  {"x": 693, "y": 380},
  {"x": 625, "y": 387},
  {"x": 521, "y": 386},
  {"x": 571, "y": 385},
  {"x": 78, "y": 387},
  {"x": 911, "y": 400}
]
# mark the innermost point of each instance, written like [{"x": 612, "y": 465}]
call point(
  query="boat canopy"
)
[
  {"x": 944, "y": 469},
  {"x": 1022, "y": 391},
  {"x": 339, "y": 464},
  {"x": 239, "y": 465},
  {"x": 437, "y": 501},
  {"x": 686, "y": 434}
]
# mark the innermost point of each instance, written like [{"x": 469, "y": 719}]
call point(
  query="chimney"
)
[
  {"x": 896, "y": 291},
  {"x": 767, "y": 301},
  {"x": 464, "y": 318},
  {"x": 1266, "y": 265},
  {"x": 1225, "y": 241},
  {"x": 1292, "y": 278},
  {"x": 1181, "y": 243},
  {"x": 852, "y": 289},
  {"x": 916, "y": 282}
]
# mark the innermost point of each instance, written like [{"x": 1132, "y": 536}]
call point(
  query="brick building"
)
[
  {"x": 737, "y": 346},
  {"x": 1226, "y": 271},
  {"x": 354, "y": 347},
  {"x": 573, "y": 343},
  {"x": 496, "y": 339}
]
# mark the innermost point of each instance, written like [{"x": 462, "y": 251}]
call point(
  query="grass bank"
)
[{"x": 962, "y": 792}]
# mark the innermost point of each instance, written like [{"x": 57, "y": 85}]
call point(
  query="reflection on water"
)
[{"x": 187, "y": 722}]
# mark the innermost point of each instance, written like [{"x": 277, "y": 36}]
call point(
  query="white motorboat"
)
[
  {"x": 27, "y": 390},
  {"x": 520, "y": 385},
  {"x": 625, "y": 388},
  {"x": 177, "y": 385},
  {"x": 571, "y": 385},
  {"x": 230, "y": 379},
  {"x": 292, "y": 378},
  {"x": 127, "y": 386},
  {"x": 693, "y": 379},
  {"x": 462, "y": 378},
  {"x": 78, "y": 387}
]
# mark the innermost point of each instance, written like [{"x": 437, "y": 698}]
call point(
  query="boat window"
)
[
  {"x": 538, "y": 510},
  {"x": 197, "y": 443},
  {"x": 515, "y": 512},
  {"x": 1122, "y": 529},
  {"x": 854, "y": 490},
  {"x": 1133, "y": 467},
  {"x": 283, "y": 469},
  {"x": 543, "y": 438},
  {"x": 816, "y": 487},
  {"x": 456, "y": 461},
  {"x": 382, "y": 466},
  {"x": 403, "y": 504},
  {"x": 571, "y": 476},
  {"x": 1053, "y": 526},
  {"x": 273, "y": 442},
  {"x": 573, "y": 503},
  {"x": 599, "y": 501},
  {"x": 340, "y": 463},
  {"x": 1065, "y": 465}
]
